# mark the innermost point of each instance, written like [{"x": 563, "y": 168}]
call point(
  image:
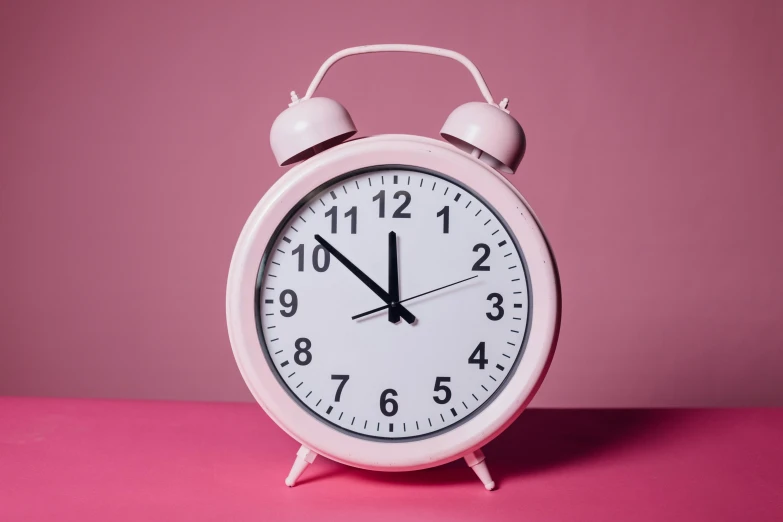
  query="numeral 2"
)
[{"x": 477, "y": 266}]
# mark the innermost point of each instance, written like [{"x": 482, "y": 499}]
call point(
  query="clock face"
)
[{"x": 460, "y": 292}]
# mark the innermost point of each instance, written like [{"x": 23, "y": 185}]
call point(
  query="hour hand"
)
[{"x": 372, "y": 285}]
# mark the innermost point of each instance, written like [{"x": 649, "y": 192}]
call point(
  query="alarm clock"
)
[{"x": 393, "y": 303}]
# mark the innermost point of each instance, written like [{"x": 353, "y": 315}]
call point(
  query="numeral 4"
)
[{"x": 479, "y": 356}]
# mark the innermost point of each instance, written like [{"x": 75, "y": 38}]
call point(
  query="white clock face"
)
[{"x": 423, "y": 365}]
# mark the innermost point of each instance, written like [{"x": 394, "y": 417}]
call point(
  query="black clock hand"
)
[
  {"x": 394, "y": 280},
  {"x": 409, "y": 317},
  {"x": 411, "y": 298}
]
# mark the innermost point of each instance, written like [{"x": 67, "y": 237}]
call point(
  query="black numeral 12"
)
[{"x": 380, "y": 197}]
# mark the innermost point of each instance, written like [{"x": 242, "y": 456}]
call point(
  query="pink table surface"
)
[{"x": 64, "y": 460}]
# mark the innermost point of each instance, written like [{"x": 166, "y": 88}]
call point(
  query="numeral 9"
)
[{"x": 289, "y": 300}]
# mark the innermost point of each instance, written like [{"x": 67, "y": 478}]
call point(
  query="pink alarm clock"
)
[{"x": 392, "y": 302}]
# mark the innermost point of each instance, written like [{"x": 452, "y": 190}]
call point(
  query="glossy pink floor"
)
[{"x": 112, "y": 460}]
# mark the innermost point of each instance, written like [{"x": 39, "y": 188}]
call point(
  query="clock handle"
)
[
  {"x": 403, "y": 48},
  {"x": 485, "y": 130}
]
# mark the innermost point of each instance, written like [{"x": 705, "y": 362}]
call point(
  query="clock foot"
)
[
  {"x": 304, "y": 457},
  {"x": 476, "y": 462}
]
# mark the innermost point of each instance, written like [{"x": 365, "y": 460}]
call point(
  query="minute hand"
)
[
  {"x": 380, "y": 292},
  {"x": 411, "y": 298}
]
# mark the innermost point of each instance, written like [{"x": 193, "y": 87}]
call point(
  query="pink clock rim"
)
[{"x": 282, "y": 408}]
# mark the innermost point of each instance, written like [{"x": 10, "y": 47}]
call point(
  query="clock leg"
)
[
  {"x": 304, "y": 457},
  {"x": 477, "y": 463}
]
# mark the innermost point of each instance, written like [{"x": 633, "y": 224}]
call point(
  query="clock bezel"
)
[
  {"x": 543, "y": 325},
  {"x": 283, "y": 225}
]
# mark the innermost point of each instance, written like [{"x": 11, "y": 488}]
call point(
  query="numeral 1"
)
[{"x": 445, "y": 213}]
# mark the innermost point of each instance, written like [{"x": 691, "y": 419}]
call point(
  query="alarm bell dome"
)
[
  {"x": 307, "y": 127},
  {"x": 492, "y": 130}
]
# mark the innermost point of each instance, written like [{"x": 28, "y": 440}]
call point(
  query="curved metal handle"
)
[{"x": 399, "y": 48}]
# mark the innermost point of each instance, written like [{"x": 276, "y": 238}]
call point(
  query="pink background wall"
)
[{"x": 133, "y": 145}]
